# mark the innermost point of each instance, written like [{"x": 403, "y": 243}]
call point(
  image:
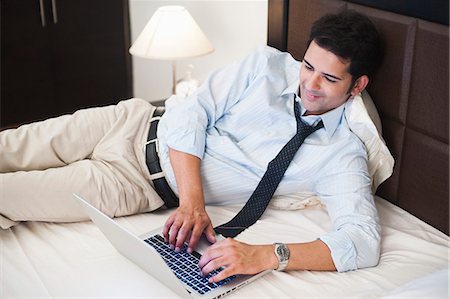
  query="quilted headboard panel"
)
[{"x": 410, "y": 90}]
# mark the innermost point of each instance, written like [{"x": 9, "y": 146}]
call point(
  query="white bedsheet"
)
[{"x": 75, "y": 260}]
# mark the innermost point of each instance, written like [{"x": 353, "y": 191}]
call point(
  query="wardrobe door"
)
[
  {"x": 90, "y": 44},
  {"x": 27, "y": 86},
  {"x": 58, "y": 56}
]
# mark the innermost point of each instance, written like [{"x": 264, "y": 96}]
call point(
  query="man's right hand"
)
[
  {"x": 190, "y": 220},
  {"x": 187, "y": 223}
]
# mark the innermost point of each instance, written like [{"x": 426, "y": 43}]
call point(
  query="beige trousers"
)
[{"x": 97, "y": 153}]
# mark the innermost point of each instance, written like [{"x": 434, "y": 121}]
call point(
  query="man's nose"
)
[{"x": 313, "y": 82}]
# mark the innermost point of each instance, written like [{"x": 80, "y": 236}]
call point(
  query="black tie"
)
[{"x": 276, "y": 168}]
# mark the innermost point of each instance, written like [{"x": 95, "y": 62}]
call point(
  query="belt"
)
[{"x": 152, "y": 160}]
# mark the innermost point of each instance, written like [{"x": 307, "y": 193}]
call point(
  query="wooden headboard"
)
[{"x": 410, "y": 91}]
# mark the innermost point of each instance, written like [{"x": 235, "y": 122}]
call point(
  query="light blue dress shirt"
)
[{"x": 237, "y": 122}]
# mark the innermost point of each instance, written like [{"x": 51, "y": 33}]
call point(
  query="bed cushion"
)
[
  {"x": 76, "y": 260},
  {"x": 433, "y": 285},
  {"x": 364, "y": 121}
]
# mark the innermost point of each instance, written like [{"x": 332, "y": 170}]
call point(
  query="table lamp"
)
[{"x": 171, "y": 34}]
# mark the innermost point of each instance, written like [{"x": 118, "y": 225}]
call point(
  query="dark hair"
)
[{"x": 352, "y": 37}]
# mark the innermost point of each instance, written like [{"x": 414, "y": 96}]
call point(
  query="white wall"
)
[{"x": 234, "y": 27}]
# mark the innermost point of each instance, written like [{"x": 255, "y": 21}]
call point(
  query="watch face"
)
[{"x": 283, "y": 252}]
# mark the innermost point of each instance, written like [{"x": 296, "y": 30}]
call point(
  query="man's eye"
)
[
  {"x": 308, "y": 67},
  {"x": 331, "y": 80}
]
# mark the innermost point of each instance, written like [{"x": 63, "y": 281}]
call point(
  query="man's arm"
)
[
  {"x": 190, "y": 218},
  {"x": 240, "y": 258},
  {"x": 354, "y": 242},
  {"x": 182, "y": 130}
]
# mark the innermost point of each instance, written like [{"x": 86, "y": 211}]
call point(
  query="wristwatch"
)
[{"x": 282, "y": 252}]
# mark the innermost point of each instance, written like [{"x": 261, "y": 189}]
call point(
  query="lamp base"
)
[{"x": 174, "y": 76}]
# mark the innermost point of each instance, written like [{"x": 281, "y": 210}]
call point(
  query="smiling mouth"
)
[{"x": 311, "y": 95}]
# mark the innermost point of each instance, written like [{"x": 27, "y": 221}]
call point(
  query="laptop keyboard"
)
[{"x": 185, "y": 266}]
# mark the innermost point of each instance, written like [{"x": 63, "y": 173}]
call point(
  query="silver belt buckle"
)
[{"x": 156, "y": 142}]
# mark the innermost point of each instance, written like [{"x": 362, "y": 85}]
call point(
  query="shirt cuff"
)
[
  {"x": 187, "y": 141},
  {"x": 342, "y": 249}
]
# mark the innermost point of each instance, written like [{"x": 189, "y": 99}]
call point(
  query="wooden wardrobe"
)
[{"x": 58, "y": 56}]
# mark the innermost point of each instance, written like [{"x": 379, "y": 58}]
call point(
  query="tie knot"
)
[
  {"x": 302, "y": 127},
  {"x": 306, "y": 129}
]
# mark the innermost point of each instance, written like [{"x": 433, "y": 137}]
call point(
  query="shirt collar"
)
[
  {"x": 294, "y": 78},
  {"x": 331, "y": 119},
  {"x": 292, "y": 88}
]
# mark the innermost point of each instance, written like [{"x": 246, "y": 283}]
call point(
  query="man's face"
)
[{"x": 324, "y": 80}]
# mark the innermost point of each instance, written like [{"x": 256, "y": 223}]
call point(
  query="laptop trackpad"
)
[{"x": 203, "y": 243}]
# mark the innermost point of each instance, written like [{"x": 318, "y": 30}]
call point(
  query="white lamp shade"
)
[{"x": 171, "y": 34}]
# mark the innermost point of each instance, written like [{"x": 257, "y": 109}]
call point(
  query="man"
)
[
  {"x": 214, "y": 148},
  {"x": 238, "y": 108}
]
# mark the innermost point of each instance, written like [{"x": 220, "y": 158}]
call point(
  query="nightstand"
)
[{"x": 158, "y": 103}]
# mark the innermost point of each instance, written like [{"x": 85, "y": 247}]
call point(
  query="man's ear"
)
[{"x": 360, "y": 85}]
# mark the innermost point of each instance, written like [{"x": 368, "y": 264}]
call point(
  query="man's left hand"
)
[{"x": 236, "y": 258}]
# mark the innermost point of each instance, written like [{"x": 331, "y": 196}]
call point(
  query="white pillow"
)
[
  {"x": 363, "y": 120},
  {"x": 371, "y": 110}
]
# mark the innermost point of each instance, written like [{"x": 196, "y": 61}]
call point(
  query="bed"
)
[{"x": 410, "y": 92}]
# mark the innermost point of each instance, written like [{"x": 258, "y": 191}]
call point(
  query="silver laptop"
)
[{"x": 178, "y": 271}]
